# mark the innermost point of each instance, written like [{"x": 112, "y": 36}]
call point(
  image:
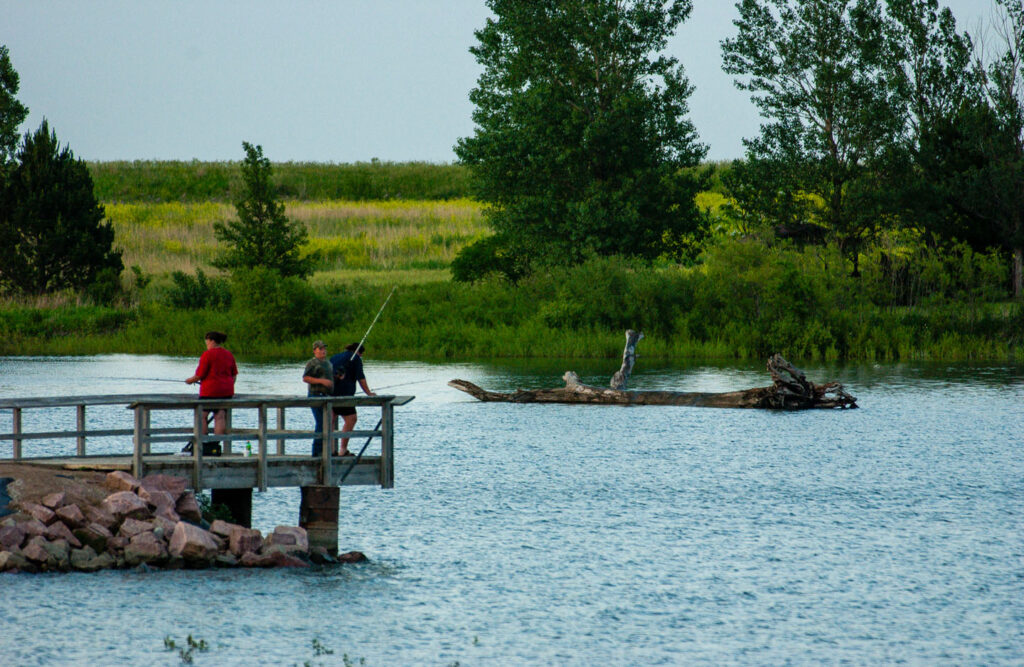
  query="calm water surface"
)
[{"x": 581, "y": 535}]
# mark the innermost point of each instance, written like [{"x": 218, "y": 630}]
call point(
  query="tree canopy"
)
[
  {"x": 12, "y": 112},
  {"x": 262, "y": 236},
  {"x": 52, "y": 229},
  {"x": 582, "y": 141}
]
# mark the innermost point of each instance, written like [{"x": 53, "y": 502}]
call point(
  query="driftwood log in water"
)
[{"x": 791, "y": 391}]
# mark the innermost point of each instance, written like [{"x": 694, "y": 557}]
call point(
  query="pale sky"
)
[{"x": 324, "y": 81}]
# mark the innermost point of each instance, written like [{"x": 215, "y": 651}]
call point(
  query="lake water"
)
[{"x": 584, "y": 535}]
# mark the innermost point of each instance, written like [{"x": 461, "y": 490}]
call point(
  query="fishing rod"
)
[
  {"x": 146, "y": 379},
  {"x": 383, "y": 306},
  {"x": 404, "y": 384}
]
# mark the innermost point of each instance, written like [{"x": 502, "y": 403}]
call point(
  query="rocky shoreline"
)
[{"x": 116, "y": 521}]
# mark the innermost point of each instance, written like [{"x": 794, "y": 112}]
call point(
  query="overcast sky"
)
[{"x": 327, "y": 81}]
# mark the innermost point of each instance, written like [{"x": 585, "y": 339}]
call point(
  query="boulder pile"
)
[{"x": 152, "y": 522}]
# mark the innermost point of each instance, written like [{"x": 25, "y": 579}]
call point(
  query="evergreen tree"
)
[
  {"x": 581, "y": 138},
  {"x": 262, "y": 236},
  {"x": 52, "y": 230},
  {"x": 12, "y": 112}
]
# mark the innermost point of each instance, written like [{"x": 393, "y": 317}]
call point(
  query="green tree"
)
[
  {"x": 262, "y": 236},
  {"x": 814, "y": 70},
  {"x": 581, "y": 133},
  {"x": 52, "y": 229},
  {"x": 12, "y": 112},
  {"x": 971, "y": 160}
]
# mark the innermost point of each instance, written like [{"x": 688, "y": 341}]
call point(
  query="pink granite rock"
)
[
  {"x": 251, "y": 559},
  {"x": 282, "y": 559},
  {"x": 94, "y": 535},
  {"x": 12, "y": 561},
  {"x": 35, "y": 549},
  {"x": 167, "y": 514},
  {"x": 44, "y": 514},
  {"x": 131, "y": 527},
  {"x": 192, "y": 543},
  {"x": 11, "y": 537},
  {"x": 33, "y": 527},
  {"x": 119, "y": 480},
  {"x": 102, "y": 517},
  {"x": 58, "y": 531},
  {"x": 289, "y": 536},
  {"x": 352, "y": 557},
  {"x": 71, "y": 515},
  {"x": 55, "y": 500},
  {"x": 157, "y": 499},
  {"x": 145, "y": 548},
  {"x": 188, "y": 508},
  {"x": 125, "y": 504},
  {"x": 164, "y": 527},
  {"x": 244, "y": 540},
  {"x": 117, "y": 543},
  {"x": 175, "y": 486},
  {"x": 223, "y": 528}
]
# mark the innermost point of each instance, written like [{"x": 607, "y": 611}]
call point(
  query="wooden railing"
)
[{"x": 226, "y": 470}]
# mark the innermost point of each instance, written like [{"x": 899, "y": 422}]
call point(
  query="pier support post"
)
[
  {"x": 318, "y": 514},
  {"x": 238, "y": 502}
]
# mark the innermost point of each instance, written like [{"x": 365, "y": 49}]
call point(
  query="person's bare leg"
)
[{"x": 350, "y": 424}]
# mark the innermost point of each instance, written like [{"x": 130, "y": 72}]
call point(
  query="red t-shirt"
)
[{"x": 217, "y": 371}]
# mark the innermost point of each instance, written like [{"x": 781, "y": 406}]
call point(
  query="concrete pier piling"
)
[{"x": 318, "y": 514}]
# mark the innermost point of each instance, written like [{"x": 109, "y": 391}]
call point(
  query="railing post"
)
[
  {"x": 197, "y": 448},
  {"x": 147, "y": 421},
  {"x": 280, "y": 427},
  {"x": 327, "y": 421},
  {"x": 387, "y": 444},
  {"x": 16, "y": 418},
  {"x": 227, "y": 424},
  {"x": 261, "y": 471},
  {"x": 80, "y": 409},
  {"x": 140, "y": 441}
]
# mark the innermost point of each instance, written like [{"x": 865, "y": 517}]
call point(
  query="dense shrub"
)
[
  {"x": 270, "y": 306},
  {"x": 194, "y": 293}
]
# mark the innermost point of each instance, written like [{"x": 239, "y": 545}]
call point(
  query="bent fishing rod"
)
[{"x": 375, "y": 318}]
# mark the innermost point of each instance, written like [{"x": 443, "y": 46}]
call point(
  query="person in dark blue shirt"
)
[{"x": 348, "y": 370}]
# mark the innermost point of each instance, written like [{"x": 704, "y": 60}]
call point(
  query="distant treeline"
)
[{"x": 180, "y": 181}]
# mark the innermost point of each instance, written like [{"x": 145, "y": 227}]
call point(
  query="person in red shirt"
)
[{"x": 216, "y": 376}]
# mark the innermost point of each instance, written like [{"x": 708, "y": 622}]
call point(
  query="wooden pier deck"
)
[{"x": 269, "y": 466}]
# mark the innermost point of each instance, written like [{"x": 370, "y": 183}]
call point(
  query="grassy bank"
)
[{"x": 743, "y": 303}]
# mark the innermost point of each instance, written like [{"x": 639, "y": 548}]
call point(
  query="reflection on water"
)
[{"x": 600, "y": 534}]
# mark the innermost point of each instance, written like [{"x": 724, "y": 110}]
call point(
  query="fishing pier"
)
[{"x": 159, "y": 424}]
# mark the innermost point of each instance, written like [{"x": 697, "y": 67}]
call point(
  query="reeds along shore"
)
[{"x": 745, "y": 298}]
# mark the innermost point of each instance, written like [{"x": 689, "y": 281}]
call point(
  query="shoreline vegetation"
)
[{"x": 376, "y": 225}]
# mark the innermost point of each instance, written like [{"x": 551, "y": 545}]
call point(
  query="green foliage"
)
[
  {"x": 198, "y": 292},
  {"x": 12, "y": 112},
  {"x": 211, "y": 511},
  {"x": 194, "y": 181},
  {"x": 262, "y": 236},
  {"x": 582, "y": 143},
  {"x": 267, "y": 305},
  {"x": 52, "y": 230},
  {"x": 488, "y": 256},
  {"x": 187, "y": 652}
]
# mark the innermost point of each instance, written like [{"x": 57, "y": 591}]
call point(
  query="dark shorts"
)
[{"x": 344, "y": 410}]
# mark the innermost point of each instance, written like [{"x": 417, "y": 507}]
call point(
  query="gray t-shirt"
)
[{"x": 322, "y": 370}]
